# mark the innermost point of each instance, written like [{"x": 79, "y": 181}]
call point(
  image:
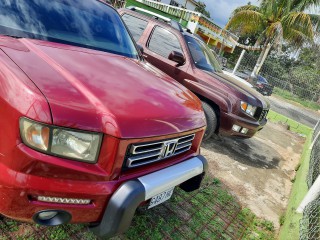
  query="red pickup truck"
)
[
  {"x": 89, "y": 131},
  {"x": 231, "y": 107}
]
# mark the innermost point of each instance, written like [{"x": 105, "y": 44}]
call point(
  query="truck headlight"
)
[
  {"x": 249, "y": 109},
  {"x": 62, "y": 142}
]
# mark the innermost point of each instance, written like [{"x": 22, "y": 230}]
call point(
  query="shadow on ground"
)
[{"x": 251, "y": 152}]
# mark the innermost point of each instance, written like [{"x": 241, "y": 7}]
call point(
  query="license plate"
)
[{"x": 160, "y": 198}]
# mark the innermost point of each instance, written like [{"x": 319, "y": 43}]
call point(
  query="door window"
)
[{"x": 163, "y": 42}]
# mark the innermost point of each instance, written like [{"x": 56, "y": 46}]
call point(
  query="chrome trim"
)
[
  {"x": 170, "y": 177},
  {"x": 263, "y": 115},
  {"x": 157, "y": 151}
]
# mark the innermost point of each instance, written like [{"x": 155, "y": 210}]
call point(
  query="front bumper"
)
[
  {"x": 227, "y": 120},
  {"x": 112, "y": 201},
  {"x": 124, "y": 202}
]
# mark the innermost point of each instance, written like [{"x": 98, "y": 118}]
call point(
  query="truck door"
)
[{"x": 158, "y": 48}]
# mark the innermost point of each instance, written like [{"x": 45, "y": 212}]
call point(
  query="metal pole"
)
[
  {"x": 208, "y": 40},
  {"x": 312, "y": 195},
  {"x": 239, "y": 61},
  {"x": 285, "y": 86},
  {"x": 314, "y": 141},
  {"x": 313, "y": 99}
]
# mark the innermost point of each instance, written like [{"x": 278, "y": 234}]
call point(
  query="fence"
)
[
  {"x": 310, "y": 222},
  {"x": 182, "y": 13},
  {"x": 296, "y": 82},
  {"x": 316, "y": 131}
]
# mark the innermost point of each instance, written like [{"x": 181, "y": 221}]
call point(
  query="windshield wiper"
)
[{"x": 8, "y": 35}]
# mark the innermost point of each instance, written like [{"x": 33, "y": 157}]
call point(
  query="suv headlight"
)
[
  {"x": 249, "y": 109},
  {"x": 62, "y": 142}
]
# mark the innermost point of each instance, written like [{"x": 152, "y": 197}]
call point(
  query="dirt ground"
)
[{"x": 259, "y": 170}]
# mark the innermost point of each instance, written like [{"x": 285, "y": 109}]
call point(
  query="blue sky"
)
[{"x": 220, "y": 10}]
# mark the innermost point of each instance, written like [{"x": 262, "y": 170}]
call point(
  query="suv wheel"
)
[{"x": 211, "y": 118}]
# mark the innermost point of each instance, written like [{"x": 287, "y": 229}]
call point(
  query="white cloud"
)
[{"x": 220, "y": 10}]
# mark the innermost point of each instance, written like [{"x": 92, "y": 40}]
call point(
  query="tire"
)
[{"x": 212, "y": 121}]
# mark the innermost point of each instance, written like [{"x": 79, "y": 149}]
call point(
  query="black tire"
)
[{"x": 212, "y": 121}]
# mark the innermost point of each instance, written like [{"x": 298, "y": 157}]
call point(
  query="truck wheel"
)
[{"x": 211, "y": 118}]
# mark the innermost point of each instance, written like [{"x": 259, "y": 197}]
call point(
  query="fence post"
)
[
  {"x": 316, "y": 134},
  {"x": 239, "y": 61},
  {"x": 285, "y": 86},
  {"x": 312, "y": 195},
  {"x": 315, "y": 96}
]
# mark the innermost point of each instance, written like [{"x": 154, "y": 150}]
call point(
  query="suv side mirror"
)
[
  {"x": 177, "y": 57},
  {"x": 140, "y": 49}
]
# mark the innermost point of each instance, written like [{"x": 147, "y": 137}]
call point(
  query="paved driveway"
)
[{"x": 299, "y": 114}]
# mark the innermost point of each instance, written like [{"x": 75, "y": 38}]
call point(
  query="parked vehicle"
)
[
  {"x": 260, "y": 83},
  {"x": 89, "y": 130},
  {"x": 231, "y": 108},
  {"x": 263, "y": 86},
  {"x": 238, "y": 78}
]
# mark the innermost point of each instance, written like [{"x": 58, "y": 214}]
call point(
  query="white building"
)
[{"x": 191, "y": 4}]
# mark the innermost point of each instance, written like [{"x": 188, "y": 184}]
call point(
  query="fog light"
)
[
  {"x": 236, "y": 128},
  {"x": 52, "y": 217},
  {"x": 47, "y": 215},
  {"x": 244, "y": 130},
  {"x": 64, "y": 200}
]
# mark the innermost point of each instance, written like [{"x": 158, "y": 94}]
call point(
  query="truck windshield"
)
[
  {"x": 202, "y": 56},
  {"x": 89, "y": 24}
]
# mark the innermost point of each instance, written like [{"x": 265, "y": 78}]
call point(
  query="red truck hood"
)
[{"x": 107, "y": 93}]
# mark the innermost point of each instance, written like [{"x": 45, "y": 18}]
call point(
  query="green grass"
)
[
  {"x": 289, "y": 96},
  {"x": 292, "y": 125},
  {"x": 141, "y": 5},
  {"x": 290, "y": 220},
  {"x": 290, "y": 228}
]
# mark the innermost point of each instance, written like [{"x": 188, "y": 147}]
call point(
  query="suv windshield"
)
[
  {"x": 202, "y": 56},
  {"x": 89, "y": 24}
]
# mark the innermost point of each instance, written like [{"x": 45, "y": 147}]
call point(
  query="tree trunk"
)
[{"x": 263, "y": 55}]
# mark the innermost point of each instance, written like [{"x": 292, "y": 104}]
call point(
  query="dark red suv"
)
[
  {"x": 231, "y": 107},
  {"x": 89, "y": 131}
]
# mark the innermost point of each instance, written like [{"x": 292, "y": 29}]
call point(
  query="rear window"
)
[
  {"x": 135, "y": 25},
  {"x": 88, "y": 24}
]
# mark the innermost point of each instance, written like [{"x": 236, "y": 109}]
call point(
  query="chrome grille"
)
[
  {"x": 263, "y": 114},
  {"x": 141, "y": 154}
]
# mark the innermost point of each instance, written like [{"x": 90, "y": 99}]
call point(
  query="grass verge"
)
[
  {"x": 295, "y": 99},
  {"x": 292, "y": 125},
  {"x": 290, "y": 220},
  {"x": 290, "y": 228}
]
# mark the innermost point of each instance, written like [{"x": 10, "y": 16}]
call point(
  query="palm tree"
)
[{"x": 276, "y": 22}]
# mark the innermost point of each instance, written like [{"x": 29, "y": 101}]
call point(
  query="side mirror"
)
[
  {"x": 177, "y": 57},
  {"x": 140, "y": 49}
]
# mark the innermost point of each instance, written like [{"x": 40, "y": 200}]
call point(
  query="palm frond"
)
[
  {"x": 302, "y": 5},
  {"x": 245, "y": 7},
  {"x": 246, "y": 19},
  {"x": 299, "y": 21},
  {"x": 315, "y": 19},
  {"x": 275, "y": 32},
  {"x": 295, "y": 37}
]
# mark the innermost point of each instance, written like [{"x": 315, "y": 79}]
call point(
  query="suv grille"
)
[
  {"x": 263, "y": 114},
  {"x": 141, "y": 154}
]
